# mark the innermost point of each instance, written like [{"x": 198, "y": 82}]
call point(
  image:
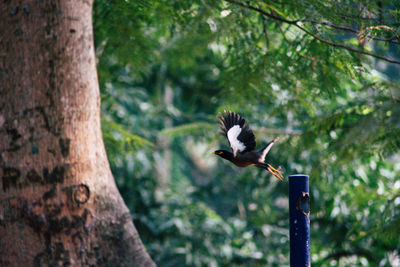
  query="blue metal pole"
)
[{"x": 299, "y": 210}]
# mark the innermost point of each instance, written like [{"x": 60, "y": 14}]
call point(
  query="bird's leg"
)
[{"x": 275, "y": 172}]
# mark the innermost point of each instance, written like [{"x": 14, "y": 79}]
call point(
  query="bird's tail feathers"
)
[{"x": 263, "y": 152}]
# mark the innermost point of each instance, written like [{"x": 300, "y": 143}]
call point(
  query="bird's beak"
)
[{"x": 213, "y": 153}]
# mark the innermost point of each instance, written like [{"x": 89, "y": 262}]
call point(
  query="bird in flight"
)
[{"x": 242, "y": 141}]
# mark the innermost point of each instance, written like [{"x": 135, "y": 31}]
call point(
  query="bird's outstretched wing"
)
[{"x": 240, "y": 137}]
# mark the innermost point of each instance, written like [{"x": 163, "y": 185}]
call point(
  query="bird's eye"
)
[{"x": 220, "y": 153}]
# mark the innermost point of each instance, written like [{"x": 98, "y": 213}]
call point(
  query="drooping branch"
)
[
  {"x": 265, "y": 31},
  {"x": 391, "y": 60},
  {"x": 313, "y": 59},
  {"x": 315, "y": 36},
  {"x": 349, "y": 29}
]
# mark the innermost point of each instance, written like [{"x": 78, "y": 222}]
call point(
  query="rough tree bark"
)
[{"x": 59, "y": 204}]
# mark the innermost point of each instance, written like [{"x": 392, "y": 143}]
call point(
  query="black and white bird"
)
[{"x": 242, "y": 141}]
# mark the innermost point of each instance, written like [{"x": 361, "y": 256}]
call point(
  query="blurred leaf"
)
[{"x": 188, "y": 129}]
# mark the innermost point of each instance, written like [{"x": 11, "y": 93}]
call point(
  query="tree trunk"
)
[{"x": 59, "y": 204}]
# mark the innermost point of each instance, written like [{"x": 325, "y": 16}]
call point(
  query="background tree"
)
[
  {"x": 59, "y": 204},
  {"x": 323, "y": 76}
]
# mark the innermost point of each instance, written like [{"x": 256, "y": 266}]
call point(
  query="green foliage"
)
[
  {"x": 336, "y": 112},
  {"x": 189, "y": 129},
  {"x": 118, "y": 140}
]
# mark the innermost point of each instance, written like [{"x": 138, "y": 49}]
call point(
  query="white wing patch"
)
[{"x": 236, "y": 145}]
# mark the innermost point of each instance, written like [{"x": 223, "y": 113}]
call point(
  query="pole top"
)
[{"x": 298, "y": 175}]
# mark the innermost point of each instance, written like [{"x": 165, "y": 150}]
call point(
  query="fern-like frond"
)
[
  {"x": 117, "y": 139},
  {"x": 189, "y": 128}
]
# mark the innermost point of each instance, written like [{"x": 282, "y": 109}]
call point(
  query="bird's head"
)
[{"x": 223, "y": 154}]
